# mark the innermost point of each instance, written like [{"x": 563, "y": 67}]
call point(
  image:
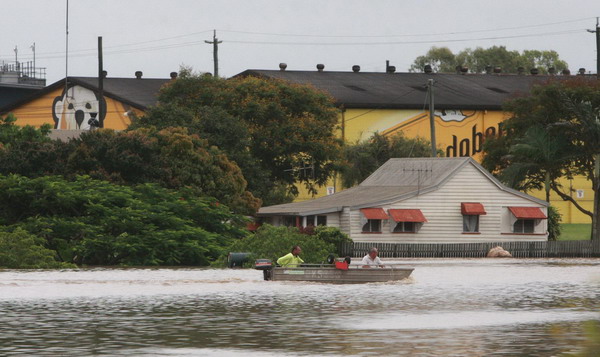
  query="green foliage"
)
[
  {"x": 171, "y": 158},
  {"x": 476, "y": 60},
  {"x": 271, "y": 242},
  {"x": 332, "y": 235},
  {"x": 268, "y": 127},
  {"x": 552, "y": 133},
  {"x": 363, "y": 158},
  {"x": 554, "y": 226},
  {"x": 97, "y": 223},
  {"x": 21, "y": 250}
]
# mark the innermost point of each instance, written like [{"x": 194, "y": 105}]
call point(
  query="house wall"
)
[
  {"x": 442, "y": 210},
  {"x": 44, "y": 109}
]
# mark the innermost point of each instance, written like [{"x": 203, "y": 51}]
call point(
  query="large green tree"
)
[
  {"x": 170, "y": 157},
  {"x": 94, "y": 222},
  {"x": 442, "y": 59},
  {"x": 280, "y": 134},
  {"x": 553, "y": 132},
  {"x": 364, "y": 157}
]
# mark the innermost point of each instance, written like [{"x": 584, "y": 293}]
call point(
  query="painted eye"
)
[
  {"x": 70, "y": 106},
  {"x": 88, "y": 106}
]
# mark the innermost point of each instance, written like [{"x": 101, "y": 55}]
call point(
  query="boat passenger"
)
[
  {"x": 371, "y": 260},
  {"x": 291, "y": 260}
]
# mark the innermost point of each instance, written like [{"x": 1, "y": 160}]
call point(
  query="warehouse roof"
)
[{"x": 408, "y": 90}]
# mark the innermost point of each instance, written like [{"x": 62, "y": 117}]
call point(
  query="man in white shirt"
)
[{"x": 371, "y": 260}]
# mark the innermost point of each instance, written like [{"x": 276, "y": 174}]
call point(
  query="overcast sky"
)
[{"x": 157, "y": 37}]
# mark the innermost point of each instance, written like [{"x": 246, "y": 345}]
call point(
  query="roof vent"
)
[
  {"x": 488, "y": 69},
  {"x": 173, "y": 75},
  {"x": 356, "y": 68},
  {"x": 138, "y": 74},
  {"x": 581, "y": 71},
  {"x": 534, "y": 71},
  {"x": 521, "y": 70},
  {"x": 552, "y": 70},
  {"x": 566, "y": 72},
  {"x": 428, "y": 68},
  {"x": 104, "y": 74},
  {"x": 464, "y": 69},
  {"x": 282, "y": 66},
  {"x": 497, "y": 69},
  {"x": 320, "y": 67},
  {"x": 391, "y": 69}
]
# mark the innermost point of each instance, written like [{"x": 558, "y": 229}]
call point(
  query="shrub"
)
[
  {"x": 21, "y": 250},
  {"x": 271, "y": 242}
]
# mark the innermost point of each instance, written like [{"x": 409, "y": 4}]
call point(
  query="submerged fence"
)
[{"x": 550, "y": 249}]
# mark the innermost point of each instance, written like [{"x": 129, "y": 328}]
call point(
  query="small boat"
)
[{"x": 338, "y": 273}]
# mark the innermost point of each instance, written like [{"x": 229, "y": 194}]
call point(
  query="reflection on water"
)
[{"x": 448, "y": 308}]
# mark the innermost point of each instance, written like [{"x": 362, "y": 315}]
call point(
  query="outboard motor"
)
[{"x": 266, "y": 266}]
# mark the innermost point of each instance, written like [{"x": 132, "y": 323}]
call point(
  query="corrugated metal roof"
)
[
  {"x": 407, "y": 90},
  {"x": 397, "y": 179}
]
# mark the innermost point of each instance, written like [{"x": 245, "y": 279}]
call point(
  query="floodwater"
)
[{"x": 449, "y": 307}]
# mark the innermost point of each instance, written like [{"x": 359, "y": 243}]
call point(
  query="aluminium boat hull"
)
[{"x": 332, "y": 275}]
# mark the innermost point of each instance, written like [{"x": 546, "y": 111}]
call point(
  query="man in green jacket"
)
[{"x": 291, "y": 260}]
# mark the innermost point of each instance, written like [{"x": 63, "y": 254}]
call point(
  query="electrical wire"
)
[{"x": 410, "y": 35}]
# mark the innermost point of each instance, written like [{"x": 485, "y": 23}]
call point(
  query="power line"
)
[{"x": 409, "y": 35}]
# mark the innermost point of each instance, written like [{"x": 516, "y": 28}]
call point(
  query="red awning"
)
[
  {"x": 374, "y": 213},
  {"x": 527, "y": 212},
  {"x": 407, "y": 215},
  {"x": 472, "y": 209}
]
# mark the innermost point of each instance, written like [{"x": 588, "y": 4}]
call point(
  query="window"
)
[
  {"x": 289, "y": 221},
  {"x": 405, "y": 227},
  {"x": 321, "y": 220},
  {"x": 523, "y": 226},
  {"x": 310, "y": 221},
  {"x": 372, "y": 226},
  {"x": 470, "y": 223}
]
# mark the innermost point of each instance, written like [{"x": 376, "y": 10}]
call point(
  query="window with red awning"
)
[
  {"x": 472, "y": 209},
  {"x": 374, "y": 213},
  {"x": 527, "y": 213},
  {"x": 407, "y": 215}
]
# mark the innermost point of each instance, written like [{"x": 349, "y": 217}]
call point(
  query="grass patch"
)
[{"x": 575, "y": 231}]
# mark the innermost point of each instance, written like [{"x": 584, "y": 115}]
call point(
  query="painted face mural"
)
[{"x": 78, "y": 109}]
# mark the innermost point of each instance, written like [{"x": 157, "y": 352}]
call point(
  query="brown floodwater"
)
[{"x": 449, "y": 307}]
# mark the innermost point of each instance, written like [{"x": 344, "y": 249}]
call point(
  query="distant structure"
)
[{"x": 19, "y": 80}]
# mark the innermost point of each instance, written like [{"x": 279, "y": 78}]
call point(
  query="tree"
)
[
  {"x": 476, "y": 60},
  {"x": 169, "y": 157},
  {"x": 553, "y": 132},
  {"x": 94, "y": 222},
  {"x": 441, "y": 59},
  {"x": 272, "y": 129},
  {"x": 363, "y": 158}
]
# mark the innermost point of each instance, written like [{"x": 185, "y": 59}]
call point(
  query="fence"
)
[{"x": 550, "y": 249}]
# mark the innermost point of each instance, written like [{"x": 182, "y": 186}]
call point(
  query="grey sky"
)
[{"x": 157, "y": 37}]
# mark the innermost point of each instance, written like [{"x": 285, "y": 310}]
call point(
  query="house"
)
[
  {"x": 19, "y": 80},
  {"x": 423, "y": 200},
  {"x": 467, "y": 108},
  {"x": 80, "y": 105}
]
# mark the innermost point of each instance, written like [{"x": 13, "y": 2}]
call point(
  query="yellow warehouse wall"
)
[{"x": 40, "y": 110}]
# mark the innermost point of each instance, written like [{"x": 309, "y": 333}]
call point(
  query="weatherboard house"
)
[{"x": 423, "y": 200}]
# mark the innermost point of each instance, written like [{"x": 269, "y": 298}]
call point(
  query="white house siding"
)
[
  {"x": 345, "y": 220},
  {"x": 443, "y": 213}
]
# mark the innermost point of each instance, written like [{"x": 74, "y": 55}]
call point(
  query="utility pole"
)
[
  {"x": 96, "y": 122},
  {"x": 33, "y": 49},
  {"x": 215, "y": 42},
  {"x": 597, "y": 32},
  {"x": 431, "y": 118},
  {"x": 16, "y": 57}
]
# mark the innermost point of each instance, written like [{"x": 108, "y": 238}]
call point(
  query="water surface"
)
[{"x": 470, "y": 307}]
